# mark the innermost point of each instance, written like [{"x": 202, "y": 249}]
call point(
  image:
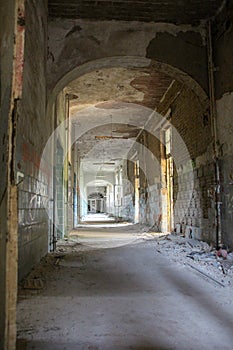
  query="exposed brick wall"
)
[
  {"x": 200, "y": 212},
  {"x": 188, "y": 118},
  {"x": 193, "y": 125},
  {"x": 195, "y": 207}
]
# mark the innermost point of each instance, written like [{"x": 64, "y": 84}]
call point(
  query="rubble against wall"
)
[{"x": 214, "y": 265}]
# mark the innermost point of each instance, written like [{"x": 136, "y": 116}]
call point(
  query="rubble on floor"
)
[
  {"x": 205, "y": 259},
  {"x": 217, "y": 265}
]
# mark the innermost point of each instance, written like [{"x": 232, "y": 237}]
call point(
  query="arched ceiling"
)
[
  {"x": 124, "y": 99},
  {"x": 116, "y": 91},
  {"x": 144, "y": 86},
  {"x": 112, "y": 132},
  {"x": 172, "y": 11}
]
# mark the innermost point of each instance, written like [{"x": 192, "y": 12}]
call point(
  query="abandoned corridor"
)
[
  {"x": 108, "y": 292},
  {"x": 121, "y": 110}
]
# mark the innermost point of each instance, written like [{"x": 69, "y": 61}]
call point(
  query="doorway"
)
[{"x": 96, "y": 203}]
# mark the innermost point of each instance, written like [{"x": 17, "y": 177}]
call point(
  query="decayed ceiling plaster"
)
[
  {"x": 104, "y": 85},
  {"x": 123, "y": 99},
  {"x": 111, "y": 132},
  {"x": 142, "y": 86}
]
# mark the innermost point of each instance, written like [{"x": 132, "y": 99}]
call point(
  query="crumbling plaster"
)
[
  {"x": 73, "y": 43},
  {"x": 104, "y": 85}
]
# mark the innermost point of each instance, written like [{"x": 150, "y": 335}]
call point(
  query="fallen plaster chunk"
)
[{"x": 34, "y": 283}]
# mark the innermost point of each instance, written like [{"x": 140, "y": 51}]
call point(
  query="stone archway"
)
[{"x": 127, "y": 62}]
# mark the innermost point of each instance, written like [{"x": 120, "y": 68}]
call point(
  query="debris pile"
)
[
  {"x": 215, "y": 263},
  {"x": 33, "y": 283}
]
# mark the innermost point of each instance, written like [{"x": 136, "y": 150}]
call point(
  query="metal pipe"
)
[
  {"x": 207, "y": 275},
  {"x": 54, "y": 233},
  {"x": 69, "y": 204},
  {"x": 213, "y": 115}
]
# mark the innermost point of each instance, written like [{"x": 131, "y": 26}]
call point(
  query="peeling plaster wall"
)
[
  {"x": 183, "y": 50},
  {"x": 75, "y": 42},
  {"x": 223, "y": 48},
  {"x": 32, "y": 133}
]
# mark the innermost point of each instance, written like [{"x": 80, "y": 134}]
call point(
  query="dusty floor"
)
[{"x": 130, "y": 295}]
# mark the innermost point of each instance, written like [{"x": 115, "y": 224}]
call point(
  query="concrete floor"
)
[{"x": 127, "y": 297}]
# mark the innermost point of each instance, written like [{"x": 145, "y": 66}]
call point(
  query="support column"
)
[{"x": 12, "y": 58}]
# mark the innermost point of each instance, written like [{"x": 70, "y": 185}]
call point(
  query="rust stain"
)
[
  {"x": 33, "y": 157},
  {"x": 153, "y": 86},
  {"x": 19, "y": 50}
]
